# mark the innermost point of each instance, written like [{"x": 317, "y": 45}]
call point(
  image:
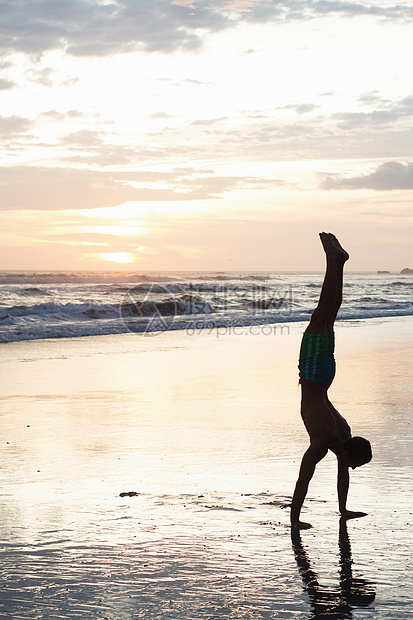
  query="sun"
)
[{"x": 117, "y": 257}]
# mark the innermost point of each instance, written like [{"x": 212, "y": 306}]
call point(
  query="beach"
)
[{"x": 202, "y": 431}]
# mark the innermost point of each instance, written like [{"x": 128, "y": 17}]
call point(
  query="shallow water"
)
[{"x": 207, "y": 433}]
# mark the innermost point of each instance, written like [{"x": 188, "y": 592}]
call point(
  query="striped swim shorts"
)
[{"x": 317, "y": 366}]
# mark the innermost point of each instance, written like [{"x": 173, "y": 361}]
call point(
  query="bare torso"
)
[{"x": 325, "y": 425}]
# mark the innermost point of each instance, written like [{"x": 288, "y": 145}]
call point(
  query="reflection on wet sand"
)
[{"x": 333, "y": 602}]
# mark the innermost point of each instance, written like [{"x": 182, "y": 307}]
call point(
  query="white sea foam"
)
[{"x": 66, "y": 305}]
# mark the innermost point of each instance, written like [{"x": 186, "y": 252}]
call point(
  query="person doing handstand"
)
[{"x": 328, "y": 430}]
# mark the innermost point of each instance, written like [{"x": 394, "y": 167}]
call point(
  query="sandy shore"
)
[{"x": 205, "y": 428}]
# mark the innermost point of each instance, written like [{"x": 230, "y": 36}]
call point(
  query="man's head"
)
[{"x": 358, "y": 450}]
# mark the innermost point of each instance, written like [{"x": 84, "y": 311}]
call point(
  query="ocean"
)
[{"x": 55, "y": 304}]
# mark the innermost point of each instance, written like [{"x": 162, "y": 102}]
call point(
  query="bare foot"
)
[
  {"x": 332, "y": 247},
  {"x": 349, "y": 514},
  {"x": 300, "y": 525},
  {"x": 344, "y": 255}
]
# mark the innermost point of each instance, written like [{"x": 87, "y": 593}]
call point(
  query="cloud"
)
[
  {"x": 43, "y": 76},
  {"x": 392, "y": 175},
  {"x": 381, "y": 131},
  {"x": 12, "y": 125},
  {"x": 208, "y": 121},
  {"x": 43, "y": 188},
  {"x": 6, "y": 84},
  {"x": 384, "y": 132},
  {"x": 96, "y": 28},
  {"x": 317, "y": 137},
  {"x": 295, "y": 9},
  {"x": 371, "y": 98},
  {"x": 300, "y": 108},
  {"x": 197, "y": 82},
  {"x": 55, "y": 115},
  {"x": 387, "y": 113},
  {"x": 160, "y": 115},
  {"x": 83, "y": 137}
]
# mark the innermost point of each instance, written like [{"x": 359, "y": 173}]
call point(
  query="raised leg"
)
[{"x": 331, "y": 296}]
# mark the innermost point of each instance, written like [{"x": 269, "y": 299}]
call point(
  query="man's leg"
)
[
  {"x": 317, "y": 365},
  {"x": 331, "y": 296}
]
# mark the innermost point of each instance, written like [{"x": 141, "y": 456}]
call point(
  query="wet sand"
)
[{"x": 206, "y": 431}]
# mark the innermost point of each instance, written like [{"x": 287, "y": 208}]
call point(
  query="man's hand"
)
[{"x": 349, "y": 514}]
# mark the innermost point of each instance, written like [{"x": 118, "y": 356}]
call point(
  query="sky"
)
[{"x": 205, "y": 135}]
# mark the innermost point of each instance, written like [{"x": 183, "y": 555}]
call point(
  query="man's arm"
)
[
  {"x": 343, "y": 481},
  {"x": 311, "y": 457}
]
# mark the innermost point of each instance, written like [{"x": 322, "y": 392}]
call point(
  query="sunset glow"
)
[
  {"x": 212, "y": 136},
  {"x": 117, "y": 257}
]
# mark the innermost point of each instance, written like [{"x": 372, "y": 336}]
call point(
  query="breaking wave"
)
[{"x": 72, "y": 304}]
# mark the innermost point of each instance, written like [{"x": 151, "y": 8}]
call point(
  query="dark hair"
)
[{"x": 358, "y": 448}]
